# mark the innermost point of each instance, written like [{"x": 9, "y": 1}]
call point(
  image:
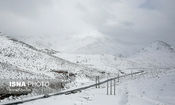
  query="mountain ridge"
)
[
  {"x": 34, "y": 60},
  {"x": 159, "y": 45}
]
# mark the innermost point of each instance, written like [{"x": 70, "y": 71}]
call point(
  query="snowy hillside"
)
[
  {"x": 33, "y": 60},
  {"x": 20, "y": 61},
  {"x": 148, "y": 89},
  {"x": 8, "y": 71},
  {"x": 106, "y": 45},
  {"x": 95, "y": 61},
  {"x": 105, "y": 63},
  {"x": 158, "y": 55},
  {"x": 92, "y": 43}
]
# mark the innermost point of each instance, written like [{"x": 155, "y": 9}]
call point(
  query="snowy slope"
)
[
  {"x": 106, "y": 45},
  {"x": 20, "y": 61},
  {"x": 90, "y": 43},
  {"x": 30, "y": 59},
  {"x": 151, "y": 89},
  {"x": 67, "y": 44},
  {"x": 8, "y": 71},
  {"x": 104, "y": 62},
  {"x": 143, "y": 90},
  {"x": 158, "y": 54},
  {"x": 100, "y": 62}
]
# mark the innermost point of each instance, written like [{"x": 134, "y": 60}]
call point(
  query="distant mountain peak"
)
[{"x": 159, "y": 45}]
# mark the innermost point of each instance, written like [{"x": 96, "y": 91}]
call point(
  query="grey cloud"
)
[
  {"x": 136, "y": 21},
  {"x": 23, "y": 7}
]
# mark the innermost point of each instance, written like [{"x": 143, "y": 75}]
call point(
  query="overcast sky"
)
[{"x": 132, "y": 21}]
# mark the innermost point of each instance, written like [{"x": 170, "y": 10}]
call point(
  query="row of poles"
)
[
  {"x": 111, "y": 87},
  {"x": 111, "y": 84}
]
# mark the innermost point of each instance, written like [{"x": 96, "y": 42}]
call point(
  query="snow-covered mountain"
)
[
  {"x": 29, "y": 59},
  {"x": 158, "y": 54},
  {"x": 106, "y": 45},
  {"x": 92, "y": 43},
  {"x": 102, "y": 62},
  {"x": 158, "y": 46},
  {"x": 21, "y": 61}
]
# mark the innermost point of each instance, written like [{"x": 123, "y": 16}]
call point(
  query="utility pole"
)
[
  {"x": 131, "y": 75},
  {"x": 118, "y": 76},
  {"x": 107, "y": 87},
  {"x": 98, "y": 81},
  {"x": 114, "y": 86},
  {"x": 111, "y": 87}
]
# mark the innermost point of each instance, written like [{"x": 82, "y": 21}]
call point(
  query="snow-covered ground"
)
[
  {"x": 143, "y": 90},
  {"x": 30, "y": 59},
  {"x": 158, "y": 54},
  {"x": 18, "y": 60}
]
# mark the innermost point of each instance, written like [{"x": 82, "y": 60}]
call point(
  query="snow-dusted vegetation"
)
[{"x": 21, "y": 61}]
